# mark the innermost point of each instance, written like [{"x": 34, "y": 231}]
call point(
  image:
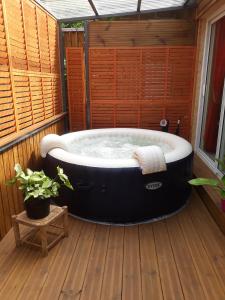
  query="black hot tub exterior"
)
[{"x": 123, "y": 195}]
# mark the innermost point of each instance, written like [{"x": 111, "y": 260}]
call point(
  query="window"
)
[{"x": 212, "y": 129}]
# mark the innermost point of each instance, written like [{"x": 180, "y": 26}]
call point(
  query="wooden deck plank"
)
[
  {"x": 151, "y": 285},
  {"x": 191, "y": 284},
  {"x": 74, "y": 280},
  {"x": 180, "y": 258},
  {"x": 204, "y": 268},
  {"x": 112, "y": 280},
  {"x": 26, "y": 258},
  {"x": 94, "y": 275},
  {"x": 212, "y": 238},
  {"x": 34, "y": 285},
  {"x": 132, "y": 288},
  {"x": 9, "y": 256},
  {"x": 57, "y": 273},
  {"x": 171, "y": 285}
]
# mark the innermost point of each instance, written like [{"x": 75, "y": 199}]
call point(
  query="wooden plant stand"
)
[{"x": 41, "y": 227}]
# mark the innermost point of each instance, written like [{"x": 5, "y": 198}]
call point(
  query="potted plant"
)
[
  {"x": 218, "y": 184},
  {"x": 38, "y": 189}
]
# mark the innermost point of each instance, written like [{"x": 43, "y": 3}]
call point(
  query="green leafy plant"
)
[
  {"x": 218, "y": 184},
  {"x": 79, "y": 24},
  {"x": 35, "y": 184}
]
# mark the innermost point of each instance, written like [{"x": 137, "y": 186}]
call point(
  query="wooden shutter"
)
[{"x": 76, "y": 88}]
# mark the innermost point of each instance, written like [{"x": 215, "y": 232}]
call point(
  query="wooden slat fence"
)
[
  {"x": 29, "y": 71},
  {"x": 76, "y": 88},
  {"x": 73, "y": 38},
  {"x": 137, "y": 87}
]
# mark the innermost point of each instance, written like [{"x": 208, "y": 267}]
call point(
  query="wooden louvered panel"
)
[
  {"x": 153, "y": 73},
  {"x": 42, "y": 22},
  {"x": 127, "y": 115},
  {"x": 23, "y": 101},
  {"x": 22, "y": 110},
  {"x": 143, "y": 85},
  {"x": 7, "y": 112},
  {"x": 31, "y": 35},
  {"x": 180, "y": 74},
  {"x": 76, "y": 88},
  {"x": 128, "y": 74},
  {"x": 53, "y": 44},
  {"x": 48, "y": 97},
  {"x": 56, "y": 92},
  {"x": 150, "y": 116},
  {"x": 102, "y": 115},
  {"x": 16, "y": 33},
  {"x": 102, "y": 74},
  {"x": 37, "y": 99},
  {"x": 25, "y": 61}
]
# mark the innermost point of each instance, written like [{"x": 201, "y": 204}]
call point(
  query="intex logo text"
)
[{"x": 153, "y": 185}]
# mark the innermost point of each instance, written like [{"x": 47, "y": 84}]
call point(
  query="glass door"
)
[{"x": 212, "y": 132}]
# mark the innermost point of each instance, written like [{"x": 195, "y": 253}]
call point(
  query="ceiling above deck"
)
[{"x": 68, "y": 10}]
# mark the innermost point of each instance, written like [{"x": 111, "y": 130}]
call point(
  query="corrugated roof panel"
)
[
  {"x": 81, "y": 9},
  {"x": 160, "y": 4},
  {"x": 109, "y": 7},
  {"x": 63, "y": 9}
]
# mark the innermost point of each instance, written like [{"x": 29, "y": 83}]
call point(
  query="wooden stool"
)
[{"x": 40, "y": 226}]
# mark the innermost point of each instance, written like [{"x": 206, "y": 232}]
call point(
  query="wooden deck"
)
[{"x": 180, "y": 258}]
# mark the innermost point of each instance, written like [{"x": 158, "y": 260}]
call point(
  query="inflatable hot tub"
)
[{"x": 109, "y": 185}]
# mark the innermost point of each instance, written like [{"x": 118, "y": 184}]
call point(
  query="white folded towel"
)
[{"x": 151, "y": 159}]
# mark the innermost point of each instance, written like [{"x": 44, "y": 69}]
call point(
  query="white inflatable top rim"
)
[{"x": 181, "y": 148}]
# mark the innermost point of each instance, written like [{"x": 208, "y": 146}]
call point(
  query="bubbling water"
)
[{"x": 112, "y": 147}]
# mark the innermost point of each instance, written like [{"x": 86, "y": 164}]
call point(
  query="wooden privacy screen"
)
[
  {"x": 136, "y": 33},
  {"x": 137, "y": 87},
  {"x": 30, "y": 93},
  {"x": 76, "y": 88}
]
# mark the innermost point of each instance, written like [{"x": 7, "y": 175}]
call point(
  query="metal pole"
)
[
  {"x": 86, "y": 53},
  {"x": 63, "y": 84}
]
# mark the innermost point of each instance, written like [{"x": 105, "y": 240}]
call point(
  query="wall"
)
[
  {"x": 30, "y": 95},
  {"x": 27, "y": 154},
  {"x": 30, "y": 88}
]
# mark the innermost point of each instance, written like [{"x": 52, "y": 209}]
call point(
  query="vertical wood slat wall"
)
[
  {"x": 30, "y": 95},
  {"x": 29, "y": 67},
  {"x": 27, "y": 153}
]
